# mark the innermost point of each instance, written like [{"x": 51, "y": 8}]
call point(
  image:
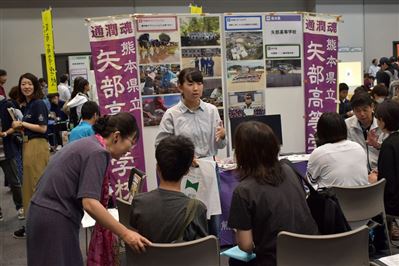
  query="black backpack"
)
[{"x": 324, "y": 207}]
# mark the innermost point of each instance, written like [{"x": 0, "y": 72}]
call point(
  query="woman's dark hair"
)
[
  {"x": 388, "y": 112},
  {"x": 80, "y": 87},
  {"x": 379, "y": 90},
  {"x": 331, "y": 128},
  {"x": 361, "y": 99},
  {"x": 37, "y": 90},
  {"x": 256, "y": 151},
  {"x": 14, "y": 94},
  {"x": 174, "y": 156},
  {"x": 125, "y": 123},
  {"x": 76, "y": 81},
  {"x": 190, "y": 74}
]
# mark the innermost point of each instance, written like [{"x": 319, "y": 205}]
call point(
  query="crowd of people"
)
[{"x": 356, "y": 146}]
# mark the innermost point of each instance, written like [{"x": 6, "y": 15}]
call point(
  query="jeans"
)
[{"x": 9, "y": 167}]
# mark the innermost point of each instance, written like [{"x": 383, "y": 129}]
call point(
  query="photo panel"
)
[
  {"x": 213, "y": 92},
  {"x": 207, "y": 60},
  {"x": 200, "y": 31},
  {"x": 283, "y": 73},
  {"x": 246, "y": 103},
  {"x": 154, "y": 107},
  {"x": 158, "y": 47},
  {"x": 245, "y": 76},
  {"x": 159, "y": 79},
  {"x": 244, "y": 45}
]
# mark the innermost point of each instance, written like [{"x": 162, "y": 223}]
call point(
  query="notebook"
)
[{"x": 238, "y": 254}]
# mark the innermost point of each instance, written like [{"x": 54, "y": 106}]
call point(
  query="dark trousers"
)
[{"x": 9, "y": 167}]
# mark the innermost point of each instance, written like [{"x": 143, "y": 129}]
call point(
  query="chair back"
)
[
  {"x": 349, "y": 248},
  {"x": 200, "y": 252},
  {"x": 123, "y": 211},
  {"x": 363, "y": 202}
]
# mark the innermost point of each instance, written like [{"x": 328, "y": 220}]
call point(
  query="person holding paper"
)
[
  {"x": 269, "y": 197},
  {"x": 35, "y": 148},
  {"x": 76, "y": 180},
  {"x": 8, "y": 153}
]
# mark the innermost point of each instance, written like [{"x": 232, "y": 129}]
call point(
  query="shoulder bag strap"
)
[
  {"x": 299, "y": 175},
  {"x": 189, "y": 217}
]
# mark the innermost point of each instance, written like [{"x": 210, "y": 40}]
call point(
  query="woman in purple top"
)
[{"x": 72, "y": 182}]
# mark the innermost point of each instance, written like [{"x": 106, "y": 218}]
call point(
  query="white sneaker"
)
[
  {"x": 59, "y": 147},
  {"x": 21, "y": 214}
]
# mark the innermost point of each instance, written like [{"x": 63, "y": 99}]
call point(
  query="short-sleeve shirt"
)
[
  {"x": 343, "y": 163},
  {"x": 268, "y": 210},
  {"x": 36, "y": 112},
  {"x": 84, "y": 129},
  {"x": 159, "y": 216},
  {"x": 75, "y": 172}
]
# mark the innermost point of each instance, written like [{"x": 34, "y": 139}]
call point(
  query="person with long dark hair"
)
[
  {"x": 35, "y": 148},
  {"x": 78, "y": 98},
  {"x": 76, "y": 180},
  {"x": 269, "y": 197}
]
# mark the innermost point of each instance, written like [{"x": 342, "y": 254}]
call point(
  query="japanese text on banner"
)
[
  {"x": 49, "y": 50},
  {"x": 320, "y": 68},
  {"x": 113, "y": 48}
]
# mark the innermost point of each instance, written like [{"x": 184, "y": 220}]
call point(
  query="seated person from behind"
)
[
  {"x": 336, "y": 161},
  {"x": 90, "y": 112},
  {"x": 160, "y": 215},
  {"x": 269, "y": 197}
]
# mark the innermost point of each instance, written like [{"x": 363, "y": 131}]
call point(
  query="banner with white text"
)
[
  {"x": 113, "y": 48},
  {"x": 320, "y": 69}
]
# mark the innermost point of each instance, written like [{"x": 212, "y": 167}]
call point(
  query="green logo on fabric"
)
[{"x": 192, "y": 185}]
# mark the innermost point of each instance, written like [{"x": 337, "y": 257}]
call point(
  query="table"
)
[
  {"x": 88, "y": 221},
  {"x": 228, "y": 182}
]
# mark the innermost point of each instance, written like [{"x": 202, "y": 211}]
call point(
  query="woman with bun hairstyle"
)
[{"x": 75, "y": 180}]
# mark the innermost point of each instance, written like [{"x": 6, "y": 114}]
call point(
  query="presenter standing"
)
[{"x": 197, "y": 120}]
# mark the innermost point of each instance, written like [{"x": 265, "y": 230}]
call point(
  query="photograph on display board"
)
[
  {"x": 159, "y": 79},
  {"x": 244, "y": 45},
  {"x": 213, "y": 92},
  {"x": 246, "y": 103},
  {"x": 200, "y": 31},
  {"x": 283, "y": 73},
  {"x": 158, "y": 47},
  {"x": 207, "y": 60},
  {"x": 245, "y": 76},
  {"x": 154, "y": 107}
]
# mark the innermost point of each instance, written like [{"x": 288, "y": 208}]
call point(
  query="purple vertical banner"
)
[
  {"x": 320, "y": 44},
  {"x": 113, "y": 49}
]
